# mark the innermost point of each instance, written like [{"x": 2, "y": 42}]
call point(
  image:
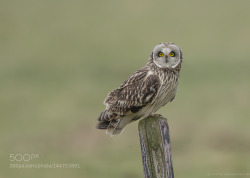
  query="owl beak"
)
[{"x": 166, "y": 59}]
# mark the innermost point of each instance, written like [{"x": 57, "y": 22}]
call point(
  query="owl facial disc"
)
[{"x": 167, "y": 55}]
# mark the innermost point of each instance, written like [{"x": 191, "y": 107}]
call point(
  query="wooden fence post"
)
[{"x": 155, "y": 148}]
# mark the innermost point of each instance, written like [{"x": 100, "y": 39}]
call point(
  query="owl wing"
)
[{"x": 137, "y": 91}]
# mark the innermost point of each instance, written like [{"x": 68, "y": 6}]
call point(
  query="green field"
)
[{"x": 59, "y": 60}]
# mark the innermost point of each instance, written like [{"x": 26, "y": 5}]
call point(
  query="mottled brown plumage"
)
[{"x": 145, "y": 91}]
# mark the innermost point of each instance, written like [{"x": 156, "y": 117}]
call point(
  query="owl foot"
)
[{"x": 155, "y": 115}]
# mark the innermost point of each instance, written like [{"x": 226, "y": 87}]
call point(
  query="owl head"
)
[{"x": 167, "y": 55}]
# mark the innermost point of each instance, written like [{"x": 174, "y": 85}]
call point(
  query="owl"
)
[{"x": 145, "y": 91}]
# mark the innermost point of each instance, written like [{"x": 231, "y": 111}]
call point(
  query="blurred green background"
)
[{"x": 59, "y": 60}]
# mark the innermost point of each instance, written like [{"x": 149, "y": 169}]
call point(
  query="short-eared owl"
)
[{"x": 145, "y": 91}]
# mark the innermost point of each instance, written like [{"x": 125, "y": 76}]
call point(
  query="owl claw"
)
[{"x": 155, "y": 115}]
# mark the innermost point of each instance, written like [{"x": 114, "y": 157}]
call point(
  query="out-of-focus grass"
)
[{"x": 59, "y": 59}]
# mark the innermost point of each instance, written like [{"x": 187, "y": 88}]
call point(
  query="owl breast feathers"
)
[{"x": 145, "y": 91}]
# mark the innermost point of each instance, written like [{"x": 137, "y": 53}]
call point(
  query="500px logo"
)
[{"x": 23, "y": 157}]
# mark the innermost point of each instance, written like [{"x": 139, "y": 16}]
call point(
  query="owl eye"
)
[
  {"x": 172, "y": 53},
  {"x": 160, "y": 54}
]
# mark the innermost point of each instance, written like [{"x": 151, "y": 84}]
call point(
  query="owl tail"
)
[
  {"x": 111, "y": 127},
  {"x": 103, "y": 125},
  {"x": 114, "y": 127},
  {"x": 107, "y": 121},
  {"x": 104, "y": 120}
]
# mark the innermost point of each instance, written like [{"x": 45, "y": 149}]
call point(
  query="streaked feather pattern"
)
[
  {"x": 137, "y": 91},
  {"x": 142, "y": 94}
]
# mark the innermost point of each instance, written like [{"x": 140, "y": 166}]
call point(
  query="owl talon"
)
[{"x": 155, "y": 115}]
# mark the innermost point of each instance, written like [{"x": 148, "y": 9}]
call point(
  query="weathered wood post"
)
[{"x": 155, "y": 147}]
